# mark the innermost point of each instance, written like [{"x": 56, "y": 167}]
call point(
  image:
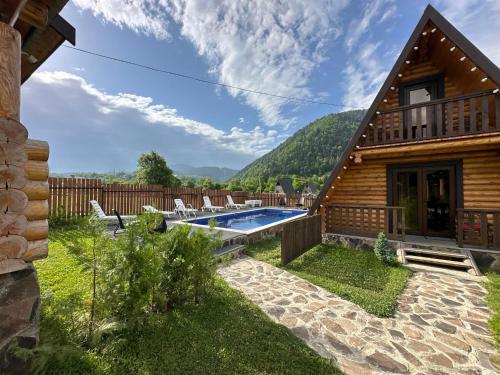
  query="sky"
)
[{"x": 99, "y": 115}]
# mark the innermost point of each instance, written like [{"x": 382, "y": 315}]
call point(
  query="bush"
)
[
  {"x": 383, "y": 251},
  {"x": 189, "y": 268}
]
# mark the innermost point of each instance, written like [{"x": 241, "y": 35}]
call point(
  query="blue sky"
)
[{"x": 99, "y": 115}]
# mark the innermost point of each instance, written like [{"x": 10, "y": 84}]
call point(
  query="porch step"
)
[
  {"x": 441, "y": 262},
  {"x": 230, "y": 249},
  {"x": 436, "y": 253},
  {"x": 438, "y": 258}
]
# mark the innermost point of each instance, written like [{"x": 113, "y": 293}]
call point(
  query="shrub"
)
[
  {"x": 383, "y": 251},
  {"x": 189, "y": 268}
]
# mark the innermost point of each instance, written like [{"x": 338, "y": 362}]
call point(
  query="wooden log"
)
[
  {"x": 35, "y": 13},
  {"x": 37, "y": 190},
  {"x": 37, "y": 150},
  {"x": 12, "y": 131},
  {"x": 12, "y": 154},
  {"x": 13, "y": 201},
  {"x": 37, "y": 210},
  {"x": 12, "y": 265},
  {"x": 10, "y": 71},
  {"x": 37, "y": 170},
  {"x": 12, "y": 177},
  {"x": 11, "y": 223},
  {"x": 12, "y": 247},
  {"x": 36, "y": 230},
  {"x": 36, "y": 250}
]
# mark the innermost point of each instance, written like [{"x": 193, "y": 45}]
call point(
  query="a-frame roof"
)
[{"x": 456, "y": 37}]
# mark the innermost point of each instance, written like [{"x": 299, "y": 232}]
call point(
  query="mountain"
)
[
  {"x": 218, "y": 174},
  {"x": 313, "y": 150}
]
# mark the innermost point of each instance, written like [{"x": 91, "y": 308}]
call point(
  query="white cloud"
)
[
  {"x": 262, "y": 45},
  {"x": 377, "y": 10},
  {"x": 142, "y": 16},
  {"x": 89, "y": 112},
  {"x": 364, "y": 72},
  {"x": 241, "y": 120}
]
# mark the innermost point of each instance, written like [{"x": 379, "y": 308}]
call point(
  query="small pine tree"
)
[{"x": 383, "y": 251}]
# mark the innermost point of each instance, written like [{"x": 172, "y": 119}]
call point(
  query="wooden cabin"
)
[
  {"x": 425, "y": 160},
  {"x": 311, "y": 189}
]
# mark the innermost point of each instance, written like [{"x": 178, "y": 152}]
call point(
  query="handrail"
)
[{"x": 438, "y": 101}]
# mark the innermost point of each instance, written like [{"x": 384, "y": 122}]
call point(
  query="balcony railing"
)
[
  {"x": 443, "y": 118},
  {"x": 478, "y": 227},
  {"x": 365, "y": 220}
]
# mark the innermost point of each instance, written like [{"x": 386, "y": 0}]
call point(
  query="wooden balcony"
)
[
  {"x": 365, "y": 220},
  {"x": 443, "y": 118},
  {"x": 478, "y": 227}
]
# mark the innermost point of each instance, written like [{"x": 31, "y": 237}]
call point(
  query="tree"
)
[
  {"x": 152, "y": 169},
  {"x": 207, "y": 183},
  {"x": 271, "y": 184},
  {"x": 234, "y": 185}
]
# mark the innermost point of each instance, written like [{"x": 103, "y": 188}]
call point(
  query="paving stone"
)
[
  {"x": 338, "y": 345},
  {"x": 440, "y": 360},
  {"x": 448, "y": 328},
  {"x": 407, "y": 355},
  {"x": 431, "y": 331},
  {"x": 452, "y": 341},
  {"x": 396, "y": 334},
  {"x": 419, "y": 347},
  {"x": 355, "y": 368},
  {"x": 332, "y": 326},
  {"x": 386, "y": 363}
]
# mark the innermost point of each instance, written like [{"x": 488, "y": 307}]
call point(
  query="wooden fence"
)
[
  {"x": 299, "y": 236},
  {"x": 71, "y": 197}
]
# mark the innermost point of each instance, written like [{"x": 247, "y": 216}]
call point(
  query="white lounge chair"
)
[
  {"x": 207, "y": 205},
  {"x": 182, "y": 209},
  {"x": 108, "y": 218},
  {"x": 149, "y": 208},
  {"x": 231, "y": 204}
]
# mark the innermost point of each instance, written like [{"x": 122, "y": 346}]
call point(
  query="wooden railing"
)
[
  {"x": 449, "y": 117},
  {"x": 478, "y": 227},
  {"x": 365, "y": 220}
]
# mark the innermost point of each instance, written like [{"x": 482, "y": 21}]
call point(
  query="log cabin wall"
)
[{"x": 366, "y": 183}]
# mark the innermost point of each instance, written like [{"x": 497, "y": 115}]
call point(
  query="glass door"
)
[
  {"x": 439, "y": 201},
  {"x": 407, "y": 192},
  {"x": 429, "y": 196}
]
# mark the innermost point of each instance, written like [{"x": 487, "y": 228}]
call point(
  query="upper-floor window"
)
[{"x": 417, "y": 92}]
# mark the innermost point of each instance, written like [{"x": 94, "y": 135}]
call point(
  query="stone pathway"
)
[{"x": 440, "y": 326}]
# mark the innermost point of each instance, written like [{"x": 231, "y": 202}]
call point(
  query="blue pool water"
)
[{"x": 249, "y": 220}]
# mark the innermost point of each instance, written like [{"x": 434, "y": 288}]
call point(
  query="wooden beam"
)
[
  {"x": 35, "y": 13},
  {"x": 10, "y": 71},
  {"x": 438, "y": 145}
]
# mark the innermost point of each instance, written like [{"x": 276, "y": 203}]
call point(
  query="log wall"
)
[{"x": 366, "y": 183}]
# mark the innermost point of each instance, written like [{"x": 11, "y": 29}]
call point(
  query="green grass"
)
[
  {"x": 226, "y": 334},
  {"x": 355, "y": 275},
  {"x": 493, "y": 300}
]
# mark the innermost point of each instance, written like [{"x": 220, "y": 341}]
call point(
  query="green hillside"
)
[{"x": 313, "y": 150}]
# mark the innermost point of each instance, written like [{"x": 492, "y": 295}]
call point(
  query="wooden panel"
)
[{"x": 299, "y": 236}]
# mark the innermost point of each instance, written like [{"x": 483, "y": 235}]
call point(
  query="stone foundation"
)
[
  {"x": 19, "y": 317},
  {"x": 355, "y": 242}
]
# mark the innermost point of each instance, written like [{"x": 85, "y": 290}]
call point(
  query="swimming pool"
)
[{"x": 250, "y": 221}]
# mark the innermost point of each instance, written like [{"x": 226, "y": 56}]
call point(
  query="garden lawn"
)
[
  {"x": 226, "y": 334},
  {"x": 355, "y": 275},
  {"x": 493, "y": 299}
]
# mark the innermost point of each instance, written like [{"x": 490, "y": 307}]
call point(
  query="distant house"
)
[
  {"x": 284, "y": 186},
  {"x": 310, "y": 189}
]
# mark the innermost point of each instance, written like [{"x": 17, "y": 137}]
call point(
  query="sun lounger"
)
[
  {"x": 231, "y": 204},
  {"x": 99, "y": 213},
  {"x": 149, "y": 208},
  {"x": 207, "y": 205},
  {"x": 182, "y": 209}
]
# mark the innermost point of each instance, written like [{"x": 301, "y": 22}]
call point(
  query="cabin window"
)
[{"x": 418, "y": 92}]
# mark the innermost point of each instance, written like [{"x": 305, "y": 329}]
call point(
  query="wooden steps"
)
[
  {"x": 444, "y": 258},
  {"x": 229, "y": 249}
]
